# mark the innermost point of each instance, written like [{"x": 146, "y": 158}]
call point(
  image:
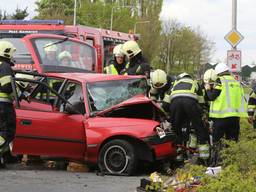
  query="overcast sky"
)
[{"x": 212, "y": 16}]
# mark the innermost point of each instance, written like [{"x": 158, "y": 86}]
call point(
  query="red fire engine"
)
[{"x": 102, "y": 39}]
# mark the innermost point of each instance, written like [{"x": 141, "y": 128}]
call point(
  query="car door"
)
[{"x": 45, "y": 130}]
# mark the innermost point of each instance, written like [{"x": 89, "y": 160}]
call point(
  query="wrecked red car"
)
[{"x": 102, "y": 119}]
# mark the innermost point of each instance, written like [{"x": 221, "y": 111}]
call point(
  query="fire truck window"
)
[
  {"x": 59, "y": 54},
  {"x": 108, "y": 50},
  {"x": 22, "y": 54},
  {"x": 90, "y": 41}
]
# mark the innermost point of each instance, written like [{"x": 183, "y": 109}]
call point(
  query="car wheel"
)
[{"x": 117, "y": 157}]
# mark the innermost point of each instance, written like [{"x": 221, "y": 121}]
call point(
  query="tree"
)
[
  {"x": 20, "y": 14},
  {"x": 58, "y": 9}
]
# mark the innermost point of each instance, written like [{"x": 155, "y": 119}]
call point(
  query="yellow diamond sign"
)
[{"x": 234, "y": 37}]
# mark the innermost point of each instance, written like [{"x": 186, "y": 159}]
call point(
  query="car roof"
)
[{"x": 91, "y": 77}]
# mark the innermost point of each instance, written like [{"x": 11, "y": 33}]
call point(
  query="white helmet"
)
[
  {"x": 158, "y": 78},
  {"x": 117, "y": 51},
  {"x": 7, "y": 49},
  {"x": 182, "y": 75},
  {"x": 220, "y": 68},
  {"x": 50, "y": 47},
  {"x": 210, "y": 76},
  {"x": 131, "y": 48},
  {"x": 64, "y": 54}
]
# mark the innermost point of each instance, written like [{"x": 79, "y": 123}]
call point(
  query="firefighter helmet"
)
[
  {"x": 131, "y": 49},
  {"x": 64, "y": 54},
  {"x": 220, "y": 68},
  {"x": 158, "y": 78},
  {"x": 7, "y": 49},
  {"x": 50, "y": 47},
  {"x": 210, "y": 76},
  {"x": 182, "y": 75},
  {"x": 117, "y": 51}
]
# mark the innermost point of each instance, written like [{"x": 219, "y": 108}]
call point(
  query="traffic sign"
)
[
  {"x": 234, "y": 37},
  {"x": 234, "y": 60}
]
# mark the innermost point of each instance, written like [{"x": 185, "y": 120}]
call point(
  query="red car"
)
[{"x": 102, "y": 119}]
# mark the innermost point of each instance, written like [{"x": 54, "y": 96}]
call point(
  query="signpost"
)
[{"x": 234, "y": 60}]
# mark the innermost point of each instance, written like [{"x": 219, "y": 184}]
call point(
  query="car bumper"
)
[{"x": 162, "y": 147}]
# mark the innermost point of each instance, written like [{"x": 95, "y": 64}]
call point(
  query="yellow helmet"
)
[
  {"x": 210, "y": 75},
  {"x": 7, "y": 49},
  {"x": 158, "y": 78},
  {"x": 64, "y": 54},
  {"x": 50, "y": 47},
  {"x": 117, "y": 51},
  {"x": 131, "y": 48},
  {"x": 23, "y": 76}
]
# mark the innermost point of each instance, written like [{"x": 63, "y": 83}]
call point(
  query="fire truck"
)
[{"x": 102, "y": 40}]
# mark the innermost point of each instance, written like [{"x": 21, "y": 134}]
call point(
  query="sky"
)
[{"x": 212, "y": 16}]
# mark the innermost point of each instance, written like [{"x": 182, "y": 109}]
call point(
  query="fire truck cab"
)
[{"x": 101, "y": 39}]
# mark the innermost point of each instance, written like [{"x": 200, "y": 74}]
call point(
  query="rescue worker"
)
[
  {"x": 160, "y": 88},
  {"x": 50, "y": 54},
  {"x": 65, "y": 58},
  {"x": 227, "y": 106},
  {"x": 252, "y": 104},
  {"x": 185, "y": 109},
  {"x": 117, "y": 63},
  {"x": 7, "y": 112},
  {"x": 137, "y": 63}
]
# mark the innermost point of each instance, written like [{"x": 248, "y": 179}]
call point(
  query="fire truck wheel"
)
[{"x": 117, "y": 157}]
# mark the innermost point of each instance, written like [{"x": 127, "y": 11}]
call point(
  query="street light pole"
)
[
  {"x": 74, "y": 19},
  {"x": 139, "y": 22}
]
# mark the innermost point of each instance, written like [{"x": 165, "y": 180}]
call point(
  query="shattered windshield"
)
[{"x": 103, "y": 95}]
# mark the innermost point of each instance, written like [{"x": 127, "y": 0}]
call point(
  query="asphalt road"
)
[{"x": 63, "y": 181}]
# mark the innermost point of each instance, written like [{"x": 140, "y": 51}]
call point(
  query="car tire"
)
[{"x": 117, "y": 157}]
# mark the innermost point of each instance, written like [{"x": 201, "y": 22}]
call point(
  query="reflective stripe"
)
[
  {"x": 203, "y": 151},
  {"x": 5, "y": 100},
  {"x": 5, "y": 79},
  {"x": 184, "y": 95},
  {"x": 167, "y": 98}
]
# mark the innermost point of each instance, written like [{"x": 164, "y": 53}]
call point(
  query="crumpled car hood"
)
[{"x": 138, "y": 99}]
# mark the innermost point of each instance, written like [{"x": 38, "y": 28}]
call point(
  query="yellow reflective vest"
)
[
  {"x": 185, "y": 87},
  {"x": 231, "y": 101},
  {"x": 110, "y": 69}
]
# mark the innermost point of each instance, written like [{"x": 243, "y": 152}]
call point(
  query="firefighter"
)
[
  {"x": 252, "y": 104},
  {"x": 160, "y": 87},
  {"x": 65, "y": 58},
  {"x": 117, "y": 63},
  {"x": 50, "y": 54},
  {"x": 185, "y": 109},
  {"x": 227, "y": 106},
  {"x": 137, "y": 63},
  {"x": 7, "y": 112}
]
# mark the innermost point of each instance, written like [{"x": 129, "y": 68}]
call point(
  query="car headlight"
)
[{"x": 160, "y": 132}]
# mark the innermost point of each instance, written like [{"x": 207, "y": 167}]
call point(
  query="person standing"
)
[
  {"x": 226, "y": 107},
  {"x": 138, "y": 65},
  {"x": 7, "y": 112},
  {"x": 117, "y": 63}
]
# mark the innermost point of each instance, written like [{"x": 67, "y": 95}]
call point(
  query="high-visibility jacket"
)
[
  {"x": 5, "y": 82},
  {"x": 111, "y": 69},
  {"x": 231, "y": 101},
  {"x": 252, "y": 103},
  {"x": 185, "y": 87}
]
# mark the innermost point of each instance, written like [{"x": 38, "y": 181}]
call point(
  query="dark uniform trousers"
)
[{"x": 184, "y": 110}]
